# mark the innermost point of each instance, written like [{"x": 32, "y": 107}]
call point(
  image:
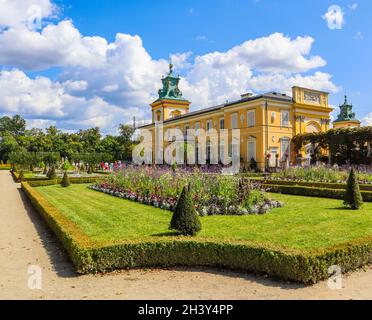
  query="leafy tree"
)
[
  {"x": 126, "y": 141},
  {"x": 353, "y": 197},
  {"x": 185, "y": 218},
  {"x": 16, "y": 125}
]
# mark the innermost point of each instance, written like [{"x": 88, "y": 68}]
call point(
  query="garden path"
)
[{"x": 25, "y": 240}]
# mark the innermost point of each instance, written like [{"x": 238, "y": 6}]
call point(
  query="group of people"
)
[{"x": 113, "y": 166}]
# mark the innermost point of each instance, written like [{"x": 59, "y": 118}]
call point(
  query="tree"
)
[
  {"x": 185, "y": 218},
  {"x": 353, "y": 197},
  {"x": 8, "y": 145},
  {"x": 16, "y": 125},
  {"x": 65, "y": 181},
  {"x": 126, "y": 141}
]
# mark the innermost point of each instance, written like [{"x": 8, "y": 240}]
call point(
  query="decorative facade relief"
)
[{"x": 312, "y": 97}]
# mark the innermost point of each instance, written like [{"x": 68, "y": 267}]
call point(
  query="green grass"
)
[{"x": 304, "y": 222}]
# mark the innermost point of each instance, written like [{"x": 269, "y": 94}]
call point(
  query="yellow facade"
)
[
  {"x": 347, "y": 124},
  {"x": 267, "y": 122}
]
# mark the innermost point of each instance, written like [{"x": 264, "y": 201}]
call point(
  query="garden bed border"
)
[{"x": 305, "y": 266}]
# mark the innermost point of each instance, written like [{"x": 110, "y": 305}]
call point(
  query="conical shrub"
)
[
  {"x": 52, "y": 173},
  {"x": 65, "y": 181},
  {"x": 185, "y": 218},
  {"x": 353, "y": 197},
  {"x": 21, "y": 176}
]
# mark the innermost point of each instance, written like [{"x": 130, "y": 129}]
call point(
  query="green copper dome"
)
[
  {"x": 346, "y": 112},
  {"x": 170, "y": 87}
]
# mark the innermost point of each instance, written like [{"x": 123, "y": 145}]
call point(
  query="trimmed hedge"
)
[
  {"x": 43, "y": 183},
  {"x": 314, "y": 192},
  {"x": 36, "y": 182},
  {"x": 308, "y": 266},
  {"x": 323, "y": 185}
]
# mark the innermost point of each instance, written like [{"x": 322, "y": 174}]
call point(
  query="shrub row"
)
[
  {"x": 314, "y": 192},
  {"x": 301, "y": 266},
  {"x": 323, "y": 185},
  {"x": 38, "y": 182}
]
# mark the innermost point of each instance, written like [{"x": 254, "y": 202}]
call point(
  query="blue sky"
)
[{"x": 199, "y": 28}]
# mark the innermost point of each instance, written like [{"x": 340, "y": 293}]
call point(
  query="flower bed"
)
[{"x": 213, "y": 194}]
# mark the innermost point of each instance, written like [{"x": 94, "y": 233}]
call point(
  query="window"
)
[
  {"x": 234, "y": 121},
  {"x": 251, "y": 118},
  {"x": 222, "y": 123},
  {"x": 175, "y": 114},
  {"x": 251, "y": 149},
  {"x": 285, "y": 148},
  {"x": 158, "y": 116},
  {"x": 187, "y": 127},
  {"x": 197, "y": 126},
  {"x": 209, "y": 125},
  {"x": 285, "y": 118}
]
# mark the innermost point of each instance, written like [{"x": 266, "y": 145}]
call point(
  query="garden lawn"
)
[{"x": 303, "y": 223}]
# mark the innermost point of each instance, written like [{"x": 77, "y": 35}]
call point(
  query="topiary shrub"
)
[
  {"x": 52, "y": 173},
  {"x": 185, "y": 219},
  {"x": 21, "y": 176},
  {"x": 353, "y": 197},
  {"x": 65, "y": 181},
  {"x": 90, "y": 169}
]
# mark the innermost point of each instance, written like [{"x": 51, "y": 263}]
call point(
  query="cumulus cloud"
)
[
  {"x": 15, "y": 13},
  {"x": 367, "y": 121},
  {"x": 56, "y": 45},
  {"x": 102, "y": 83},
  {"x": 45, "y": 103}
]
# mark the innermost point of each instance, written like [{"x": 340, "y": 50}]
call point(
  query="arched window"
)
[
  {"x": 313, "y": 127},
  {"x": 175, "y": 114},
  {"x": 251, "y": 149},
  {"x": 285, "y": 148},
  {"x": 158, "y": 116}
]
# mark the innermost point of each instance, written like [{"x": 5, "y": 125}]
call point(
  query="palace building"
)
[{"x": 267, "y": 122}]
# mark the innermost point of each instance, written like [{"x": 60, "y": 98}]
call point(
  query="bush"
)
[
  {"x": 353, "y": 197},
  {"x": 52, "y": 173},
  {"x": 253, "y": 165},
  {"x": 42, "y": 183},
  {"x": 65, "y": 181},
  {"x": 21, "y": 176},
  {"x": 185, "y": 219}
]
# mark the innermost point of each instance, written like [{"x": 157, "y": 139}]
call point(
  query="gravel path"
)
[{"x": 26, "y": 241}]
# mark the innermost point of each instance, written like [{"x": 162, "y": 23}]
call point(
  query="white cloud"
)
[
  {"x": 56, "y": 45},
  {"x": 367, "y": 121},
  {"x": 105, "y": 83},
  {"x": 44, "y": 102},
  {"x": 20, "y": 12},
  {"x": 181, "y": 60},
  {"x": 353, "y": 6},
  {"x": 334, "y": 17},
  {"x": 359, "y": 36}
]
